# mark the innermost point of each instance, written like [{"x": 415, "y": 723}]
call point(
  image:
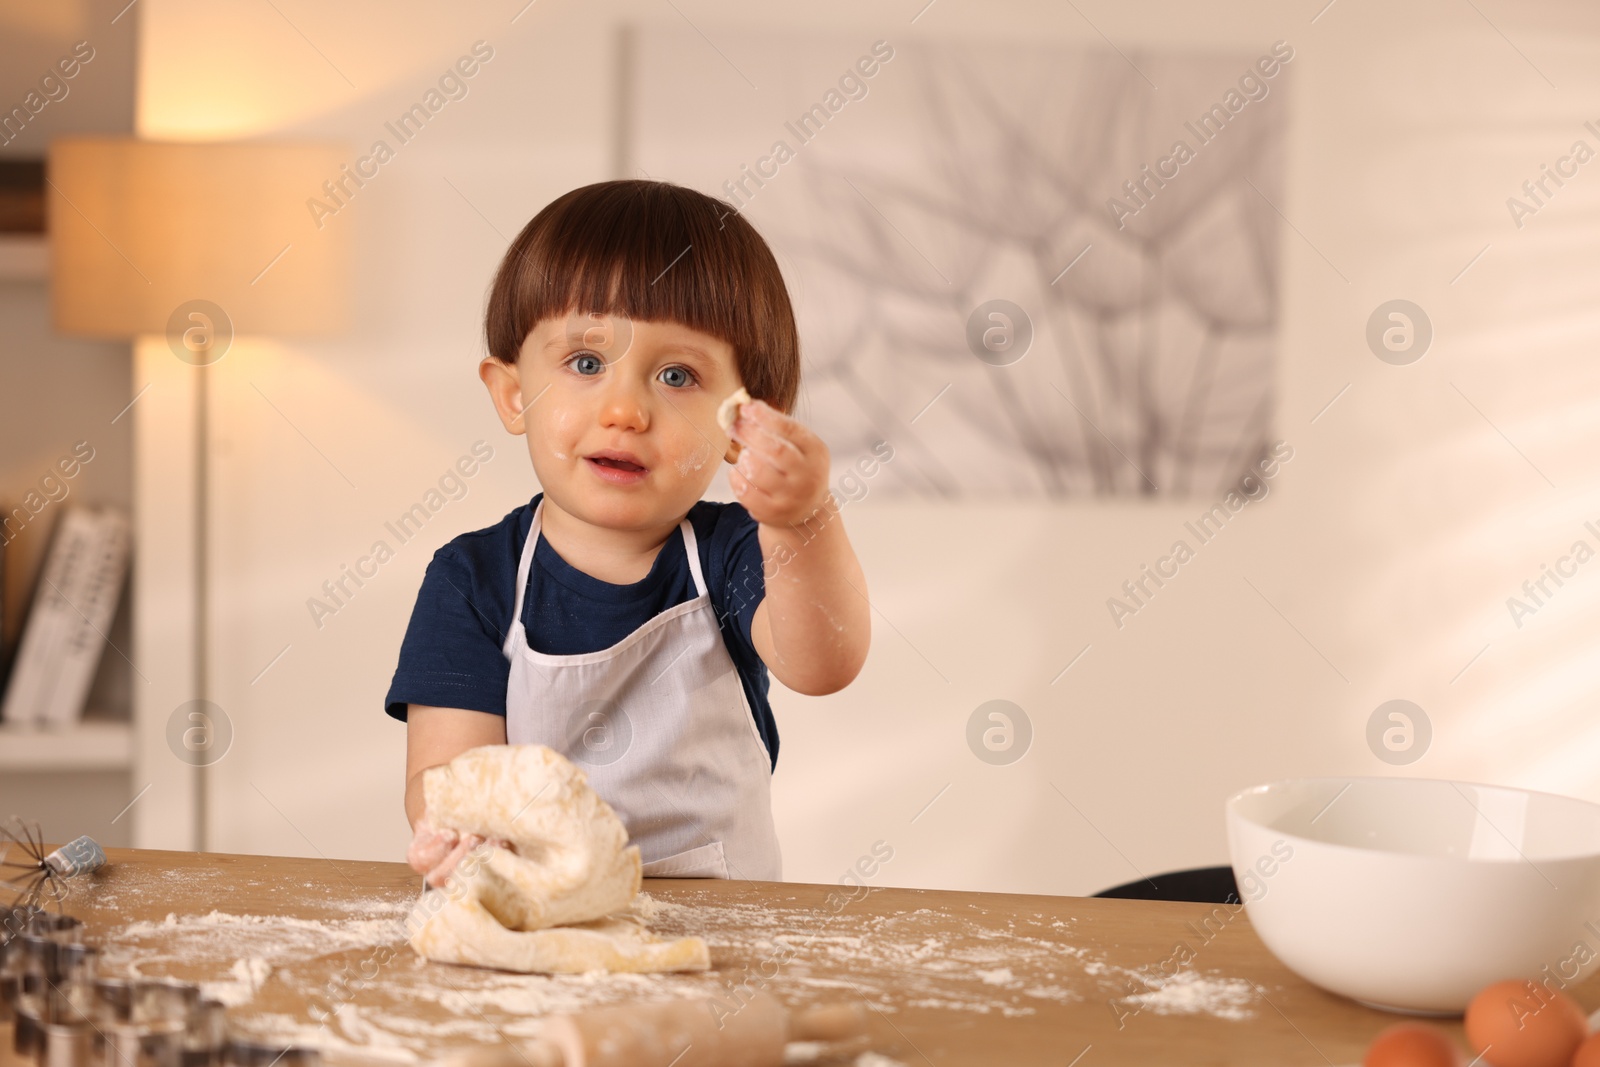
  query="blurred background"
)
[{"x": 1343, "y": 352}]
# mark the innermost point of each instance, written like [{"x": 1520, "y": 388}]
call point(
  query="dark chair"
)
[{"x": 1202, "y": 885}]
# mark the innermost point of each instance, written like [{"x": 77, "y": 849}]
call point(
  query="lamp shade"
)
[{"x": 141, "y": 228}]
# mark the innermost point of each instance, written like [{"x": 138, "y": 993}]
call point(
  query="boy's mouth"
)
[{"x": 626, "y": 461}]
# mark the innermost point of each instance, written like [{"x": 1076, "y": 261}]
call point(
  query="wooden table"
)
[{"x": 315, "y": 951}]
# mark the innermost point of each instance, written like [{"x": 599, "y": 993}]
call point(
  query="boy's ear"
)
[
  {"x": 505, "y": 389},
  {"x": 734, "y": 447}
]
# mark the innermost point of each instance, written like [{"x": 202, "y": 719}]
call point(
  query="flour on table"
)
[
  {"x": 244, "y": 978},
  {"x": 553, "y": 902},
  {"x": 237, "y": 953},
  {"x": 796, "y": 1053},
  {"x": 271, "y": 928},
  {"x": 1192, "y": 993},
  {"x": 799, "y": 1052},
  {"x": 350, "y": 1032},
  {"x": 400, "y": 1008}
]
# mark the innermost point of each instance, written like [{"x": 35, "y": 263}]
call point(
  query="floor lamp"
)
[{"x": 197, "y": 242}]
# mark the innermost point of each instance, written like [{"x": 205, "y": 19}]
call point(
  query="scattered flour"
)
[
  {"x": 797, "y": 1053},
  {"x": 402, "y": 1009},
  {"x": 1191, "y": 993},
  {"x": 345, "y": 931},
  {"x": 247, "y": 977},
  {"x": 352, "y": 1033},
  {"x": 800, "y": 1052}
]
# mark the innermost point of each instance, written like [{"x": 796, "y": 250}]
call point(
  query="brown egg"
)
[
  {"x": 1412, "y": 1045},
  {"x": 1588, "y": 1054},
  {"x": 1520, "y": 1023}
]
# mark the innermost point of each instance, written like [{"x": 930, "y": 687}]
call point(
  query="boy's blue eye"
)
[{"x": 588, "y": 364}]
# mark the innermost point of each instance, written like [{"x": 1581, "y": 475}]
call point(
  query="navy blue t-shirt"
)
[{"x": 451, "y": 656}]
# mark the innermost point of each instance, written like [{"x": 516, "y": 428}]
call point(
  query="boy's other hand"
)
[
  {"x": 781, "y": 476},
  {"x": 435, "y": 853}
]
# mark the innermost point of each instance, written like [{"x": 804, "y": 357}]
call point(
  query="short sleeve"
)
[
  {"x": 738, "y": 537},
  {"x": 451, "y": 656},
  {"x": 737, "y": 583}
]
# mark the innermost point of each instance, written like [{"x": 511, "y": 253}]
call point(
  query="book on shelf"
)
[{"x": 65, "y": 631}]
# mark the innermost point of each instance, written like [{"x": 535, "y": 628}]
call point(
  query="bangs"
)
[{"x": 652, "y": 252}]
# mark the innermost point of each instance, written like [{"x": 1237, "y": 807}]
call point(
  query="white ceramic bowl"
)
[{"x": 1411, "y": 894}]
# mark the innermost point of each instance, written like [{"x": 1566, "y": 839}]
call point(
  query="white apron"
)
[{"x": 660, "y": 725}]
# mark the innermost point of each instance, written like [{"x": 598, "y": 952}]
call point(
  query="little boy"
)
[{"x": 617, "y": 617}]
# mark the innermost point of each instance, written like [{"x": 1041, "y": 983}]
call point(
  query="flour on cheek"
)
[{"x": 696, "y": 460}]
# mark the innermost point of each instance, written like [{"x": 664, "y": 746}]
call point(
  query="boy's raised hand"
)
[{"x": 781, "y": 476}]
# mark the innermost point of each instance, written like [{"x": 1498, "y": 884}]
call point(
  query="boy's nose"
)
[{"x": 623, "y": 406}]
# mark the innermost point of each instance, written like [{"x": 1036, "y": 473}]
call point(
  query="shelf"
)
[
  {"x": 84, "y": 746},
  {"x": 24, "y": 257}
]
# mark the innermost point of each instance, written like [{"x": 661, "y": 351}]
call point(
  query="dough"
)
[
  {"x": 548, "y": 904},
  {"x": 727, "y": 411}
]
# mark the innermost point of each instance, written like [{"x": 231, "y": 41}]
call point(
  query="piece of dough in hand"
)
[
  {"x": 549, "y": 904},
  {"x": 727, "y": 412}
]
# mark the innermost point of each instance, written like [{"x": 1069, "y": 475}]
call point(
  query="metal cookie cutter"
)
[
  {"x": 47, "y": 989},
  {"x": 155, "y": 1022}
]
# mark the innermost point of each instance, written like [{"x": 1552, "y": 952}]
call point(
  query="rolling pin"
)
[{"x": 694, "y": 1032}]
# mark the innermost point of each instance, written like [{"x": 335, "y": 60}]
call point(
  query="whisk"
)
[{"x": 41, "y": 871}]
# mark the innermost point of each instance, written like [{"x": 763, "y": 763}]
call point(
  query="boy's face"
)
[{"x": 620, "y": 415}]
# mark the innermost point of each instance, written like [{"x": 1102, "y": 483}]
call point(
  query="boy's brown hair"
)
[{"x": 651, "y": 251}]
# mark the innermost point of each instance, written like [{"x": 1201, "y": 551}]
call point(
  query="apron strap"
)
[
  {"x": 691, "y": 548},
  {"x": 514, "y": 632}
]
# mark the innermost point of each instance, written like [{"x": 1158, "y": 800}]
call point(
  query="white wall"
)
[{"x": 1390, "y": 543}]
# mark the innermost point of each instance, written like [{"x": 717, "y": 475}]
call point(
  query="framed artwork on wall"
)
[{"x": 1037, "y": 273}]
